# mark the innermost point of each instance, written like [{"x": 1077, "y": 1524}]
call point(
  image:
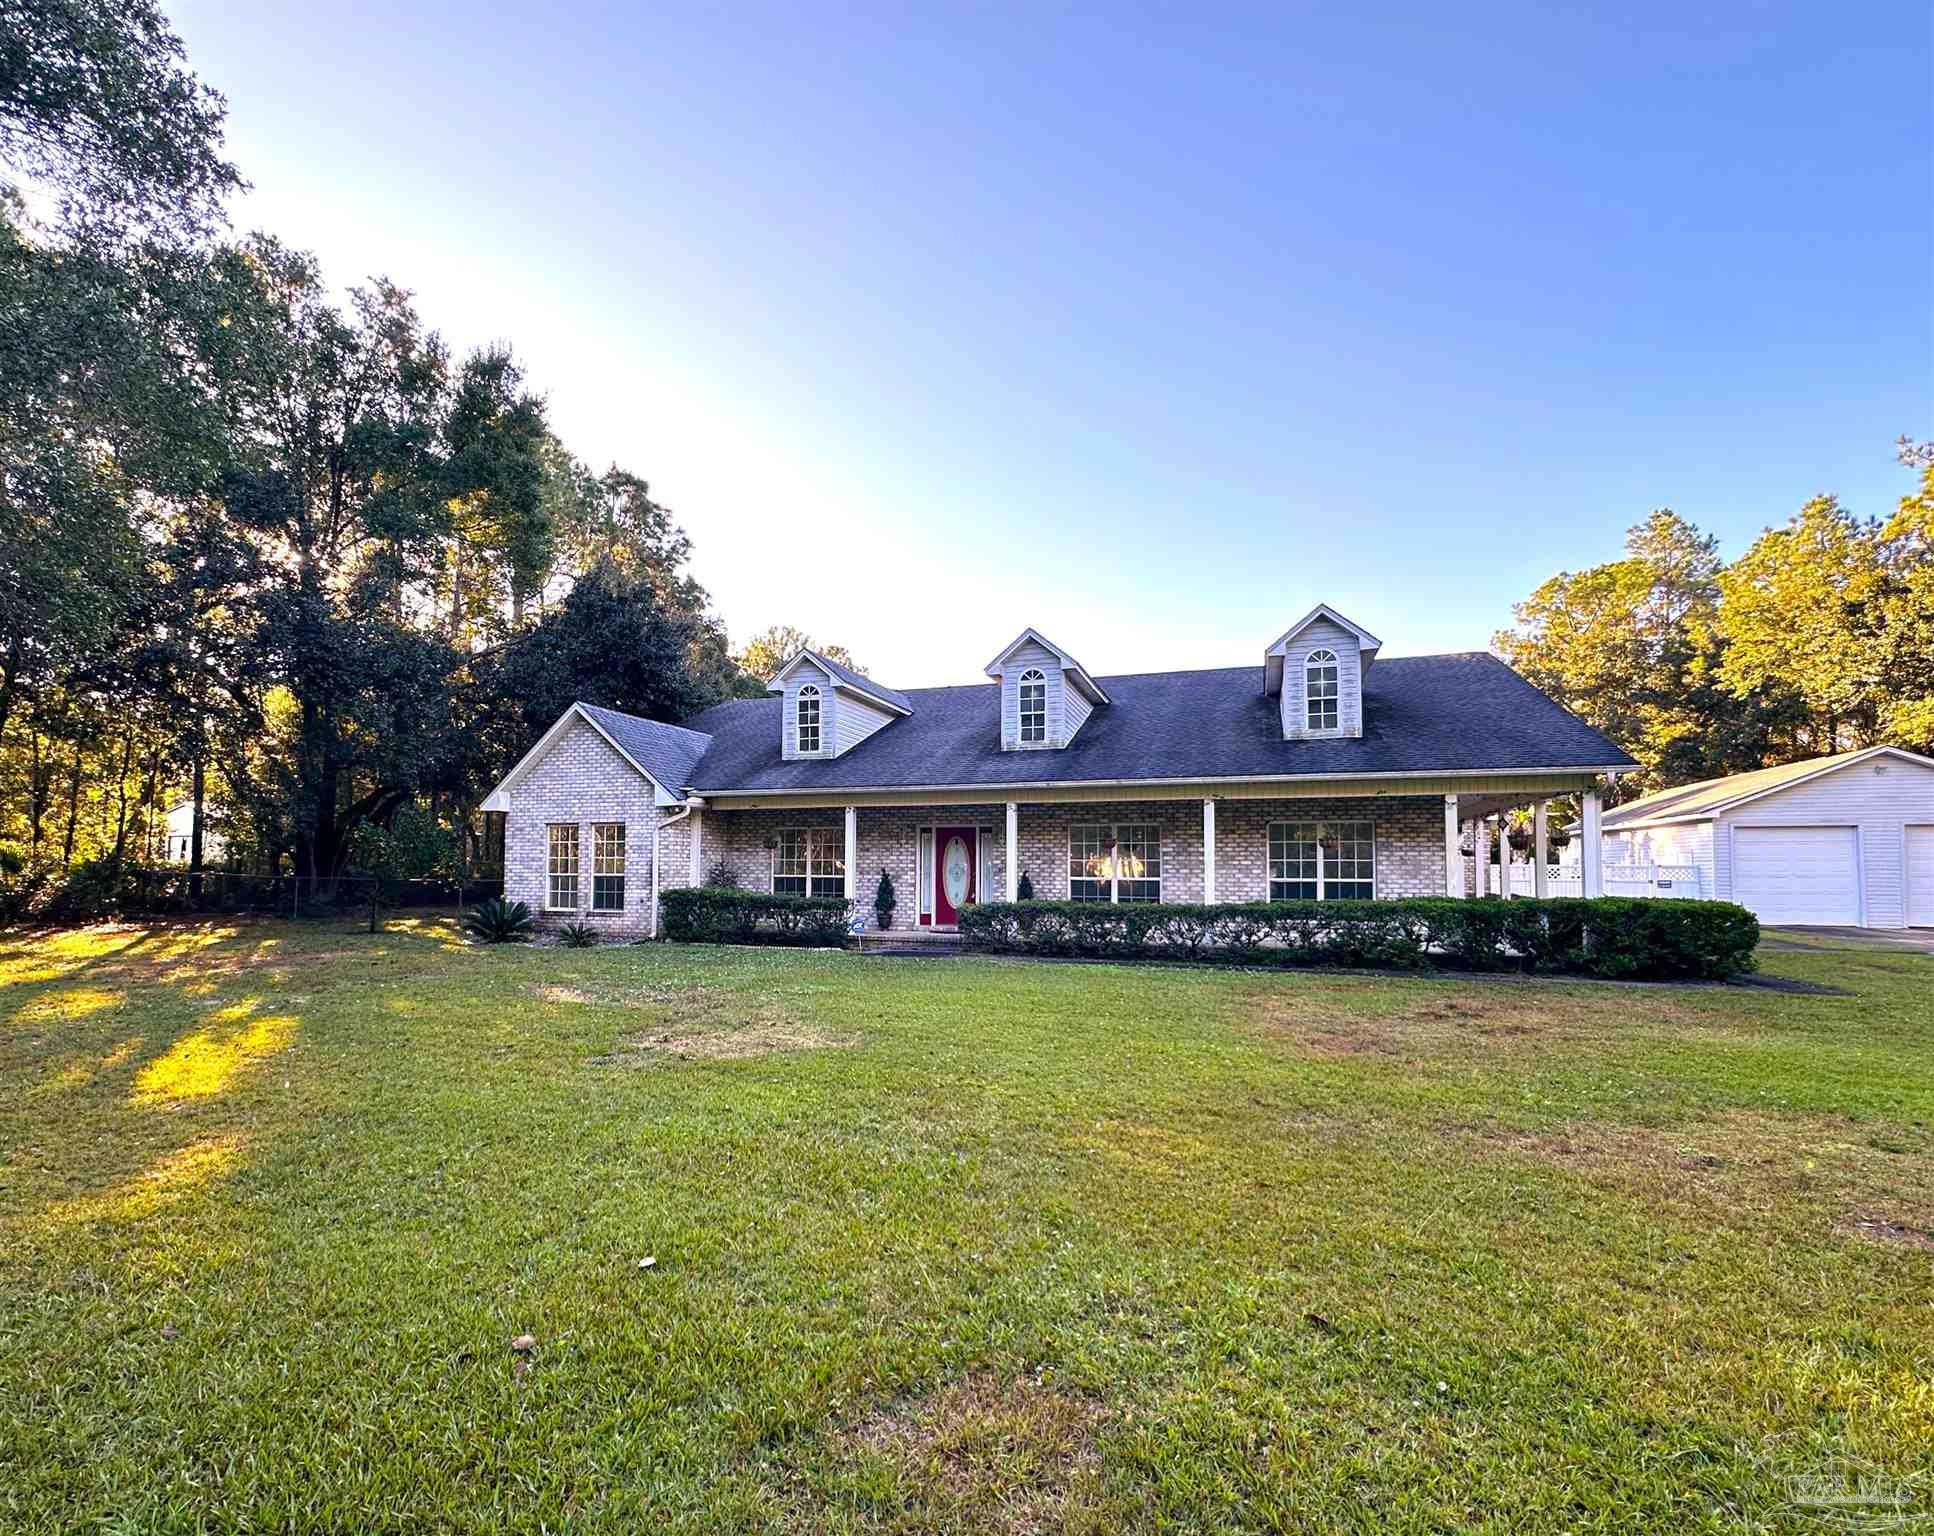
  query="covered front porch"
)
[{"x": 1169, "y": 843}]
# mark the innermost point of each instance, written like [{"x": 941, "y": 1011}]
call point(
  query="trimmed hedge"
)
[
  {"x": 1611, "y": 936},
  {"x": 713, "y": 914}
]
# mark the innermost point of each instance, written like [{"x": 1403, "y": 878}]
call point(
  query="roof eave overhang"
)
[
  {"x": 1720, "y": 807},
  {"x": 1000, "y": 791},
  {"x": 1369, "y": 642},
  {"x": 777, "y": 683},
  {"x": 499, "y": 798}
]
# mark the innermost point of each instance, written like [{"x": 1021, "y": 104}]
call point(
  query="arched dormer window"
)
[
  {"x": 1320, "y": 690},
  {"x": 808, "y": 719},
  {"x": 1034, "y": 706}
]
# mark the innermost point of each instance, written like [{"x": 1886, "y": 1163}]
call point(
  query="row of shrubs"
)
[
  {"x": 710, "y": 914},
  {"x": 1614, "y": 937}
]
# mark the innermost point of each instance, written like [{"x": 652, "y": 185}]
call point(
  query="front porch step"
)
[{"x": 910, "y": 941}]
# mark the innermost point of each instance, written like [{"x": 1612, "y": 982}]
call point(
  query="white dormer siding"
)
[
  {"x": 847, "y": 713},
  {"x": 1033, "y": 657},
  {"x": 1322, "y": 635},
  {"x": 801, "y": 677},
  {"x": 1342, "y": 652},
  {"x": 1069, "y": 694},
  {"x": 857, "y": 721}
]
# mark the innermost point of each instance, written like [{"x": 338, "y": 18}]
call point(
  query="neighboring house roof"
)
[
  {"x": 1707, "y": 798},
  {"x": 1074, "y": 669},
  {"x": 845, "y": 677},
  {"x": 1422, "y": 714}
]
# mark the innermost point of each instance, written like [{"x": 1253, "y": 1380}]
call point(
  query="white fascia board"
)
[
  {"x": 499, "y": 798},
  {"x": 1368, "y": 641},
  {"x": 1069, "y": 665},
  {"x": 835, "y": 681},
  {"x": 992, "y": 791}
]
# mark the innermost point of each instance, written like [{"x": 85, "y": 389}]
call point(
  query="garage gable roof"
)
[{"x": 1709, "y": 797}]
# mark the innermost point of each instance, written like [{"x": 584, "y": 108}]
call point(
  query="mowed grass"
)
[{"x": 947, "y": 1245}]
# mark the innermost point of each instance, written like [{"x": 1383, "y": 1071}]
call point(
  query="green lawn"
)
[{"x": 962, "y": 1245}]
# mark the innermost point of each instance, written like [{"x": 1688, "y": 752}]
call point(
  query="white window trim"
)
[
  {"x": 805, "y": 835},
  {"x": 577, "y": 863},
  {"x": 1322, "y": 860},
  {"x": 1113, "y": 829},
  {"x": 1323, "y": 656},
  {"x": 1032, "y": 676},
  {"x": 808, "y": 690}
]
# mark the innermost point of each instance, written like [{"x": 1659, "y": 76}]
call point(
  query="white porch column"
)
[
  {"x": 1541, "y": 849},
  {"x": 852, "y": 853},
  {"x": 1591, "y": 854},
  {"x": 1208, "y": 852},
  {"x": 698, "y": 846},
  {"x": 1504, "y": 854},
  {"x": 1481, "y": 857},
  {"x": 1013, "y": 868},
  {"x": 1453, "y": 853}
]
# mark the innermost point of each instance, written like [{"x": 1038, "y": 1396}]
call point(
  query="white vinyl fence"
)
[{"x": 1667, "y": 880}]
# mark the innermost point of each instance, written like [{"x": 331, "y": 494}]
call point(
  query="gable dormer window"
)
[
  {"x": 808, "y": 719},
  {"x": 1034, "y": 706},
  {"x": 1320, "y": 690}
]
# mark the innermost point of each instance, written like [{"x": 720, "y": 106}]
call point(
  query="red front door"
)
[{"x": 955, "y": 851}]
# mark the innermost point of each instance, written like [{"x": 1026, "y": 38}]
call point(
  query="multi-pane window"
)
[
  {"x": 1120, "y": 861},
  {"x": 608, "y": 867},
  {"x": 1320, "y": 690},
  {"x": 810, "y": 861},
  {"x": 1034, "y": 705},
  {"x": 562, "y": 891},
  {"x": 1322, "y": 861},
  {"x": 808, "y": 719}
]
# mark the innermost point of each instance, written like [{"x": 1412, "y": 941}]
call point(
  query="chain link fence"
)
[{"x": 358, "y": 900}]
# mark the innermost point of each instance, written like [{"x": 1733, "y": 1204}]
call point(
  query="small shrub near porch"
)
[
  {"x": 725, "y": 915},
  {"x": 1611, "y": 937}
]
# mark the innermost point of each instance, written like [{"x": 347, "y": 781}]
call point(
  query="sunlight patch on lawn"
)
[
  {"x": 205, "y": 1062},
  {"x": 76, "y": 1004},
  {"x": 165, "y": 1181}
]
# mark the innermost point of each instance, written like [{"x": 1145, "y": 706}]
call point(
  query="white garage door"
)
[
  {"x": 1797, "y": 874},
  {"x": 1920, "y": 877}
]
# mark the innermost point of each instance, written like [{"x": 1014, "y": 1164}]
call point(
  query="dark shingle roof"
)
[
  {"x": 667, "y": 752},
  {"x": 1422, "y": 714}
]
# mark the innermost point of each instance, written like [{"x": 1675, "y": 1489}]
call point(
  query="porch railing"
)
[{"x": 1671, "y": 881}]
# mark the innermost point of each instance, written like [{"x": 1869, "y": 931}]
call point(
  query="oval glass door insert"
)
[{"x": 954, "y": 871}]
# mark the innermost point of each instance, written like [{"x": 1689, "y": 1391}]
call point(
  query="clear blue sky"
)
[{"x": 1147, "y": 329}]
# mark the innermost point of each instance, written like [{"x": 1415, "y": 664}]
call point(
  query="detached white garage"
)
[{"x": 1845, "y": 840}]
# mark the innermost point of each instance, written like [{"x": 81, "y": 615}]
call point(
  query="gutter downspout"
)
[{"x": 685, "y": 810}]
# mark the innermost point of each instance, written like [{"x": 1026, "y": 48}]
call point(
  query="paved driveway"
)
[{"x": 1921, "y": 939}]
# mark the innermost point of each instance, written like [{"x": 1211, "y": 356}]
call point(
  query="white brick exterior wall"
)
[
  {"x": 583, "y": 781},
  {"x": 1409, "y": 841}
]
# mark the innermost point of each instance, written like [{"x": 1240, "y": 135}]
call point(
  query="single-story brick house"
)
[{"x": 1327, "y": 772}]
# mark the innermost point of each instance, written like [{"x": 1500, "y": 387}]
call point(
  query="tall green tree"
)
[
  {"x": 1634, "y": 647},
  {"x": 766, "y": 652},
  {"x": 1805, "y": 610}
]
